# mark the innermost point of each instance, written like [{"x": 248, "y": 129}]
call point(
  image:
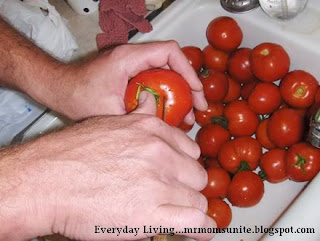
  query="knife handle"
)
[{"x": 160, "y": 237}]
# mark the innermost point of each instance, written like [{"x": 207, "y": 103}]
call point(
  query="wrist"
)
[{"x": 24, "y": 209}]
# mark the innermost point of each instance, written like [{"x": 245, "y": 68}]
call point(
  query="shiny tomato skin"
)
[
  {"x": 195, "y": 56},
  {"x": 274, "y": 165},
  {"x": 220, "y": 212},
  {"x": 303, "y": 162},
  {"x": 262, "y": 135},
  {"x": 285, "y": 127},
  {"x": 210, "y": 139},
  {"x": 215, "y": 85},
  {"x": 215, "y": 59},
  {"x": 265, "y": 98},
  {"x": 239, "y": 65},
  {"x": 269, "y": 62},
  {"x": 175, "y": 97},
  {"x": 247, "y": 88},
  {"x": 218, "y": 183},
  {"x": 212, "y": 162},
  {"x": 185, "y": 127},
  {"x": 298, "y": 89},
  {"x": 233, "y": 91},
  {"x": 204, "y": 117},
  {"x": 224, "y": 33},
  {"x": 239, "y": 151},
  {"x": 246, "y": 189},
  {"x": 242, "y": 121}
]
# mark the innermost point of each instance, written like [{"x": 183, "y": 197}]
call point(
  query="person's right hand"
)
[{"x": 112, "y": 172}]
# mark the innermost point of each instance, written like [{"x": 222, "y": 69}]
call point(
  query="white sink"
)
[{"x": 185, "y": 21}]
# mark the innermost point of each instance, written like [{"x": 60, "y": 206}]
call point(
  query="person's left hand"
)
[{"x": 97, "y": 87}]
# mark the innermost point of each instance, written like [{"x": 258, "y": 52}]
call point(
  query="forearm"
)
[
  {"x": 22, "y": 212},
  {"x": 27, "y": 68}
]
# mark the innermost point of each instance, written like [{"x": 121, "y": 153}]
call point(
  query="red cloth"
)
[{"x": 117, "y": 18}]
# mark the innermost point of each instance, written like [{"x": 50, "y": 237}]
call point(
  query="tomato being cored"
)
[
  {"x": 220, "y": 211},
  {"x": 224, "y": 33},
  {"x": 303, "y": 162},
  {"x": 173, "y": 94},
  {"x": 210, "y": 139},
  {"x": 242, "y": 121},
  {"x": 274, "y": 166},
  {"x": 262, "y": 135},
  {"x": 204, "y": 117},
  {"x": 265, "y": 98},
  {"x": 270, "y": 62},
  {"x": 242, "y": 153},
  {"x": 215, "y": 59},
  {"x": 233, "y": 91},
  {"x": 218, "y": 183},
  {"x": 215, "y": 85},
  {"x": 246, "y": 189},
  {"x": 239, "y": 66},
  {"x": 285, "y": 127},
  {"x": 195, "y": 56},
  {"x": 298, "y": 89}
]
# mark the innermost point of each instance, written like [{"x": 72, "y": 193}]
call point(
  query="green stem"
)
[
  {"x": 301, "y": 162},
  {"x": 244, "y": 166},
  {"x": 221, "y": 121},
  {"x": 152, "y": 91},
  {"x": 263, "y": 175}
]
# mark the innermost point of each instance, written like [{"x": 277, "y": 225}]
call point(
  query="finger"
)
[
  {"x": 158, "y": 55},
  {"x": 180, "y": 167},
  {"x": 183, "y": 195},
  {"x": 184, "y": 221},
  {"x": 147, "y": 104},
  {"x": 199, "y": 100},
  {"x": 190, "y": 118}
]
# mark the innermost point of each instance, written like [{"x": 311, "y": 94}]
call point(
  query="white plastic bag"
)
[{"x": 40, "y": 22}]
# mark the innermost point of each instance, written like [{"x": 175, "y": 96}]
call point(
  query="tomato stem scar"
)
[
  {"x": 265, "y": 52},
  {"x": 244, "y": 166},
  {"x": 301, "y": 162}
]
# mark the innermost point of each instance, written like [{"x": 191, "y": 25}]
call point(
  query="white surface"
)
[{"x": 186, "y": 21}]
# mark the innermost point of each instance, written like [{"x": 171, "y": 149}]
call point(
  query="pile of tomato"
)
[{"x": 254, "y": 129}]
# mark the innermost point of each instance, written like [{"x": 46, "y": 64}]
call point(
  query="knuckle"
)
[
  {"x": 197, "y": 200},
  {"x": 173, "y": 44}
]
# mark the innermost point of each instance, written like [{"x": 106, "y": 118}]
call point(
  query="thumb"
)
[{"x": 147, "y": 104}]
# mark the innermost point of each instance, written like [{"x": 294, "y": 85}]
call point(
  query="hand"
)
[
  {"x": 98, "y": 87},
  {"x": 131, "y": 170}
]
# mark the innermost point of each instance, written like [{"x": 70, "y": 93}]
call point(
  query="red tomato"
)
[
  {"x": 303, "y": 162},
  {"x": 242, "y": 153},
  {"x": 242, "y": 121},
  {"x": 262, "y": 135},
  {"x": 215, "y": 59},
  {"x": 218, "y": 183},
  {"x": 172, "y": 93},
  {"x": 269, "y": 62},
  {"x": 212, "y": 162},
  {"x": 220, "y": 212},
  {"x": 317, "y": 98},
  {"x": 239, "y": 66},
  {"x": 201, "y": 161},
  {"x": 285, "y": 127},
  {"x": 233, "y": 91},
  {"x": 215, "y": 85},
  {"x": 185, "y": 127},
  {"x": 224, "y": 33},
  {"x": 247, "y": 88},
  {"x": 246, "y": 189},
  {"x": 210, "y": 139},
  {"x": 204, "y": 117},
  {"x": 298, "y": 89},
  {"x": 265, "y": 98},
  {"x": 274, "y": 166},
  {"x": 195, "y": 56}
]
